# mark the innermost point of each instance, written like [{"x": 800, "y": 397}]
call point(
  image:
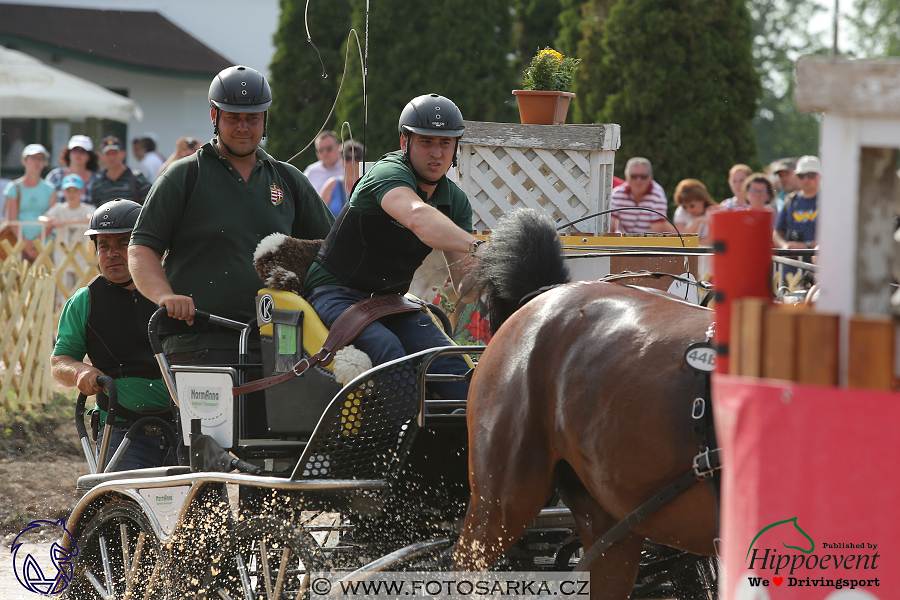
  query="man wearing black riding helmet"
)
[
  {"x": 398, "y": 212},
  {"x": 107, "y": 322},
  {"x": 207, "y": 213}
]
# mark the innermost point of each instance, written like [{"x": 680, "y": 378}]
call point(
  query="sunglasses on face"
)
[
  {"x": 639, "y": 176},
  {"x": 807, "y": 175},
  {"x": 326, "y": 149}
]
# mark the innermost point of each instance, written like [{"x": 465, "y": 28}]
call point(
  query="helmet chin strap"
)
[
  {"x": 232, "y": 152},
  {"x": 121, "y": 285}
]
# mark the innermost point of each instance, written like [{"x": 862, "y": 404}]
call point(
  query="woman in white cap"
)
[
  {"x": 79, "y": 159},
  {"x": 29, "y": 197}
]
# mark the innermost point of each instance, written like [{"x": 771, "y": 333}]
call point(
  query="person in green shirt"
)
[
  {"x": 208, "y": 212},
  {"x": 209, "y": 233},
  {"x": 107, "y": 322},
  {"x": 399, "y": 211}
]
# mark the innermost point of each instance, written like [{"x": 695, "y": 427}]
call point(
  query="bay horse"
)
[{"x": 583, "y": 390}]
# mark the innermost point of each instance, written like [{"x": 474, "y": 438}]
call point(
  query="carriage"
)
[{"x": 357, "y": 479}]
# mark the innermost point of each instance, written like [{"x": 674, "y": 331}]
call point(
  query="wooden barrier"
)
[
  {"x": 32, "y": 296},
  {"x": 795, "y": 343}
]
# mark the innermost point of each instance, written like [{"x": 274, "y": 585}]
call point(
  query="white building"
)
[{"x": 161, "y": 53}]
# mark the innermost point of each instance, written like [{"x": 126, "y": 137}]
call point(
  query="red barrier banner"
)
[{"x": 811, "y": 491}]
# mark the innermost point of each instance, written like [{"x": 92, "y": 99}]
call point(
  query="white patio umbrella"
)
[{"x": 31, "y": 89}]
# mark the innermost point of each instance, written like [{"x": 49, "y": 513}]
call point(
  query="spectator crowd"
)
[
  {"x": 790, "y": 192},
  {"x": 60, "y": 203}
]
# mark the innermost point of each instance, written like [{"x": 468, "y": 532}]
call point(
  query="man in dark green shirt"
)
[
  {"x": 399, "y": 211},
  {"x": 207, "y": 213},
  {"x": 209, "y": 233}
]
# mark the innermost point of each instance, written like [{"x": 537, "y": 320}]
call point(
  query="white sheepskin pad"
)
[
  {"x": 349, "y": 363},
  {"x": 270, "y": 243}
]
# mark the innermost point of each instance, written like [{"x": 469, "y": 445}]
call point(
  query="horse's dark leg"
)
[
  {"x": 614, "y": 572},
  {"x": 510, "y": 470},
  {"x": 499, "y": 513}
]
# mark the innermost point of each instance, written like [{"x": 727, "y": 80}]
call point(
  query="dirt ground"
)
[{"x": 39, "y": 465}]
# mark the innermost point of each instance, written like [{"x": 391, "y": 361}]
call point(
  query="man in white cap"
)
[{"x": 796, "y": 224}]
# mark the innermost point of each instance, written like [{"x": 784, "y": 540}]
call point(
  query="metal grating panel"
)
[{"x": 367, "y": 428}]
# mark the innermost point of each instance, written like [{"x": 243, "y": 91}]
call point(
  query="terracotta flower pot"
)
[{"x": 538, "y": 107}]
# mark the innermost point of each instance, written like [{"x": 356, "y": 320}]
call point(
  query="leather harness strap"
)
[
  {"x": 669, "y": 493},
  {"x": 345, "y": 328}
]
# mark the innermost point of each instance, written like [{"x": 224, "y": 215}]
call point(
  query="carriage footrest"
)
[
  {"x": 86, "y": 482},
  {"x": 553, "y": 517},
  {"x": 271, "y": 447}
]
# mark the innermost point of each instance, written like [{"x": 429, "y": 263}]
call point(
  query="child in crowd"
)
[
  {"x": 69, "y": 219},
  {"x": 694, "y": 204},
  {"x": 692, "y": 216}
]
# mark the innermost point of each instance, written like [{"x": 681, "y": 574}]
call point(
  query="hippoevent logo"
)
[
  {"x": 38, "y": 569},
  {"x": 807, "y": 567}
]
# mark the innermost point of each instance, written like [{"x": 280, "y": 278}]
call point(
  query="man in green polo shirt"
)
[
  {"x": 208, "y": 233},
  {"x": 207, "y": 213},
  {"x": 107, "y": 321},
  {"x": 399, "y": 211}
]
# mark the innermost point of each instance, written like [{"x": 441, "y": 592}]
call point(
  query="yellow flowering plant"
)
[{"x": 550, "y": 71}]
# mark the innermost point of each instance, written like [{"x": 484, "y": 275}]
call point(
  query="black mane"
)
[{"x": 524, "y": 255}]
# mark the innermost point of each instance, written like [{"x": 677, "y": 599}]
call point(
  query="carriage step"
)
[
  {"x": 269, "y": 446},
  {"x": 86, "y": 482},
  {"x": 455, "y": 420},
  {"x": 553, "y": 517}
]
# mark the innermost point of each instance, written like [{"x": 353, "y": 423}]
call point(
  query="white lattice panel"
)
[{"x": 563, "y": 169}]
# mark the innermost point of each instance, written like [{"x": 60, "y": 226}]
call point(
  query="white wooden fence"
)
[
  {"x": 564, "y": 169},
  {"x": 31, "y": 298}
]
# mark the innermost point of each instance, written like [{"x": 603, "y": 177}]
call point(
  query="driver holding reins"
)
[
  {"x": 398, "y": 212},
  {"x": 107, "y": 321}
]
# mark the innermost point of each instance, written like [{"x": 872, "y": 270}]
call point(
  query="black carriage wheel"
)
[
  {"x": 670, "y": 573},
  {"x": 117, "y": 553},
  {"x": 262, "y": 557},
  {"x": 698, "y": 581}
]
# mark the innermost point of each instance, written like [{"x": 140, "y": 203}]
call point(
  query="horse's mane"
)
[{"x": 524, "y": 255}]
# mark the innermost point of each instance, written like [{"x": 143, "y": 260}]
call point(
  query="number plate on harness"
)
[{"x": 700, "y": 356}]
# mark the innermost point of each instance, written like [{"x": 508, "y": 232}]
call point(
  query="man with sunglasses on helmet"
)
[
  {"x": 400, "y": 210},
  {"x": 107, "y": 321}
]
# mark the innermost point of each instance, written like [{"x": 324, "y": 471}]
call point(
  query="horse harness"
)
[{"x": 701, "y": 357}]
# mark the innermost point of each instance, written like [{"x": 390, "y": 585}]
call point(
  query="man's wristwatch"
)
[{"x": 473, "y": 247}]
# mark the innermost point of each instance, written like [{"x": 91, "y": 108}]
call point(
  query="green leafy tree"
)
[
  {"x": 535, "y": 25},
  {"x": 459, "y": 49},
  {"x": 874, "y": 28},
  {"x": 581, "y": 35},
  {"x": 678, "y": 76},
  {"x": 781, "y": 34},
  {"x": 301, "y": 95}
]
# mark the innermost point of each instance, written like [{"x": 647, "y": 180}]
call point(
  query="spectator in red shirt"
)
[{"x": 639, "y": 190}]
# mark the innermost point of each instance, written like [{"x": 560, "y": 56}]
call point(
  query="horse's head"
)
[{"x": 523, "y": 256}]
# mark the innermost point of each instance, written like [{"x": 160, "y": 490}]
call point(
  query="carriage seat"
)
[{"x": 290, "y": 330}]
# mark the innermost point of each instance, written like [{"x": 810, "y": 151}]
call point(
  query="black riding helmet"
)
[
  {"x": 431, "y": 114},
  {"x": 240, "y": 89},
  {"x": 118, "y": 216}
]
